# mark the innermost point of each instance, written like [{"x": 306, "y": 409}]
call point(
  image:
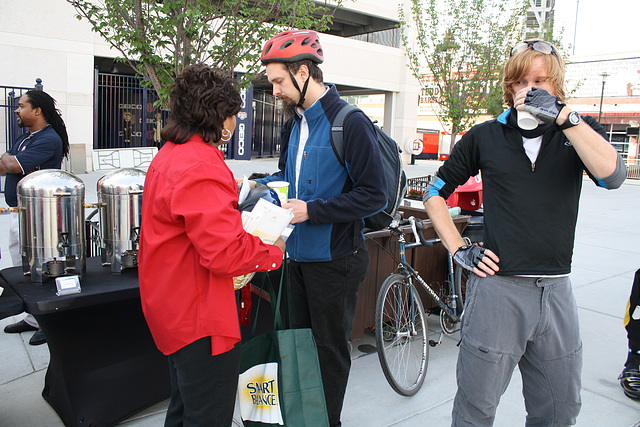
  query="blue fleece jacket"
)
[{"x": 337, "y": 197}]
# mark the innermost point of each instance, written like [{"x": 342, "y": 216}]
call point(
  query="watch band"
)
[
  {"x": 462, "y": 248},
  {"x": 573, "y": 119},
  {"x": 467, "y": 244}
]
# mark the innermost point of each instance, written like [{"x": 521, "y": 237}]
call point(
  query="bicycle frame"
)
[
  {"x": 456, "y": 308},
  {"x": 411, "y": 273},
  {"x": 400, "y": 325}
]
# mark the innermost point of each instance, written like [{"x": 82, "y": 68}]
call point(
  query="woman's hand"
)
[{"x": 280, "y": 243}]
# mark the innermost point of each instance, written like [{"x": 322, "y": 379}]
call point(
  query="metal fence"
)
[
  {"x": 124, "y": 113},
  {"x": 9, "y": 128},
  {"x": 125, "y": 117},
  {"x": 92, "y": 235},
  {"x": 8, "y": 123},
  {"x": 633, "y": 169},
  {"x": 268, "y": 118}
]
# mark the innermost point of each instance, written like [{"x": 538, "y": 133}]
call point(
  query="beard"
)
[
  {"x": 20, "y": 123},
  {"x": 289, "y": 105}
]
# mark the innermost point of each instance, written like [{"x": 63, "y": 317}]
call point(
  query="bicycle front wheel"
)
[{"x": 401, "y": 335}]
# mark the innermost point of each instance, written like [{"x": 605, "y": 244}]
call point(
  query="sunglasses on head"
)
[{"x": 538, "y": 45}]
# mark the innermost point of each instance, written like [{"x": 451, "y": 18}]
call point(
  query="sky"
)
[{"x": 603, "y": 26}]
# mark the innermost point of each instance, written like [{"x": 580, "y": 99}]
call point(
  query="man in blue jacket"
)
[
  {"x": 520, "y": 309},
  {"x": 42, "y": 148},
  {"x": 328, "y": 256}
]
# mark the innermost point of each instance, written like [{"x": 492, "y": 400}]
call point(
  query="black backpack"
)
[{"x": 391, "y": 161}]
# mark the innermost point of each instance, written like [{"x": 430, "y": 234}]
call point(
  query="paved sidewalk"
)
[{"x": 606, "y": 255}]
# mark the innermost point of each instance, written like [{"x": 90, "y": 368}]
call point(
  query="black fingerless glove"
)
[
  {"x": 543, "y": 105},
  {"x": 468, "y": 257}
]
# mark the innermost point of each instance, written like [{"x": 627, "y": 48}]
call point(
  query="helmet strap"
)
[{"x": 303, "y": 92}]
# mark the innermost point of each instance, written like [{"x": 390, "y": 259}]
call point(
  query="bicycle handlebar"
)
[{"x": 416, "y": 227}]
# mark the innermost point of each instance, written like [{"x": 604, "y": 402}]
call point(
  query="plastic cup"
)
[
  {"x": 282, "y": 188},
  {"x": 526, "y": 120},
  {"x": 455, "y": 211}
]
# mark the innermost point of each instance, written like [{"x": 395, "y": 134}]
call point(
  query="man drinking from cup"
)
[{"x": 520, "y": 309}]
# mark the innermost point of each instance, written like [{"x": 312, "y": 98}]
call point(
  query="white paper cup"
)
[
  {"x": 282, "y": 188},
  {"x": 526, "y": 121}
]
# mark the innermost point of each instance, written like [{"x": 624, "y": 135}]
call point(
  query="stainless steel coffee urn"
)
[
  {"x": 120, "y": 205},
  {"x": 52, "y": 232}
]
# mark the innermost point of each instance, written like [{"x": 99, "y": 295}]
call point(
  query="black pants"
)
[
  {"x": 203, "y": 387},
  {"x": 633, "y": 325},
  {"x": 323, "y": 297}
]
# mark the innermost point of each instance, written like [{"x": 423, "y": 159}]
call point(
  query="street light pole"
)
[
  {"x": 575, "y": 28},
  {"x": 604, "y": 79}
]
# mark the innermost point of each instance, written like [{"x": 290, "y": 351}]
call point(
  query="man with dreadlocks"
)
[{"x": 42, "y": 148}]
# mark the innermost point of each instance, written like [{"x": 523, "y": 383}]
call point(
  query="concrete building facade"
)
[{"x": 48, "y": 42}]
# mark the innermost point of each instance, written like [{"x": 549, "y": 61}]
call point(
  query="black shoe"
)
[
  {"x": 38, "y": 338},
  {"x": 630, "y": 382},
  {"x": 19, "y": 327}
]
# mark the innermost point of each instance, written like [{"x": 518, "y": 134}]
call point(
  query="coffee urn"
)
[
  {"x": 120, "y": 205},
  {"x": 52, "y": 231}
]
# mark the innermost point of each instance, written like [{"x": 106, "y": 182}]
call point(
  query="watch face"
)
[{"x": 574, "y": 118}]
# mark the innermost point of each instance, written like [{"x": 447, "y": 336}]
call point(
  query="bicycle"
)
[{"x": 400, "y": 328}]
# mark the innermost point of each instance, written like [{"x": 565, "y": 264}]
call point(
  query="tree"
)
[
  {"x": 159, "y": 38},
  {"x": 463, "y": 44}
]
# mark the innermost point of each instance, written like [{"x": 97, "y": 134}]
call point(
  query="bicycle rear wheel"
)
[{"x": 401, "y": 335}]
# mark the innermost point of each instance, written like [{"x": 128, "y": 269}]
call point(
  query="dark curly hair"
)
[{"x": 200, "y": 100}]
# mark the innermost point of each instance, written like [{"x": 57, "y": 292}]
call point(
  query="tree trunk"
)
[{"x": 454, "y": 134}]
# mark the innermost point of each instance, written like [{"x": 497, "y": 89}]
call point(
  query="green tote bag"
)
[{"x": 280, "y": 382}]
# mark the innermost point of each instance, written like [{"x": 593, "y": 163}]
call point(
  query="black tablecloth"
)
[
  {"x": 99, "y": 286},
  {"x": 104, "y": 366},
  {"x": 10, "y": 303}
]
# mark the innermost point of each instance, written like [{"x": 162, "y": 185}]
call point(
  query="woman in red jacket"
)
[{"x": 191, "y": 246}]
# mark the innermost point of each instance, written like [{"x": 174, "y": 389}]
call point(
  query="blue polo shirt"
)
[{"x": 38, "y": 150}]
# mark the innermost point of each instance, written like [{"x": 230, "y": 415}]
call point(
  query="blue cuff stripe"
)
[
  {"x": 434, "y": 190},
  {"x": 600, "y": 182}
]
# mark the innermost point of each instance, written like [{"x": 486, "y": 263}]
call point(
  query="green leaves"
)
[
  {"x": 160, "y": 38},
  {"x": 459, "y": 52}
]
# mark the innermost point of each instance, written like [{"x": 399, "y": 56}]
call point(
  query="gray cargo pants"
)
[{"x": 529, "y": 322}]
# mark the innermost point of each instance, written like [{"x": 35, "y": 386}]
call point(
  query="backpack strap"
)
[
  {"x": 337, "y": 143},
  {"x": 337, "y": 131}
]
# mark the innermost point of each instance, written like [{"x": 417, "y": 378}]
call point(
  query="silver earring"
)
[{"x": 226, "y": 135}]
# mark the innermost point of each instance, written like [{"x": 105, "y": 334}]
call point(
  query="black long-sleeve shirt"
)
[{"x": 530, "y": 209}]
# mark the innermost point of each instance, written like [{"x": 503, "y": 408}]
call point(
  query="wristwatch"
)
[{"x": 573, "y": 119}]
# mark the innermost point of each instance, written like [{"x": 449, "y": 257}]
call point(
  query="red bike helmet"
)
[{"x": 293, "y": 46}]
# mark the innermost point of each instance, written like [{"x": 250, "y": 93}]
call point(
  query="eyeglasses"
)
[{"x": 538, "y": 45}]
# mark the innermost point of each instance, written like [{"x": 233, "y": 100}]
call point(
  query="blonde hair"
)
[{"x": 518, "y": 65}]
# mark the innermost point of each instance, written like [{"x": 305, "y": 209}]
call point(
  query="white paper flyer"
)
[{"x": 266, "y": 221}]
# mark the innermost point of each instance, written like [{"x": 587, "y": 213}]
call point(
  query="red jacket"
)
[{"x": 191, "y": 246}]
